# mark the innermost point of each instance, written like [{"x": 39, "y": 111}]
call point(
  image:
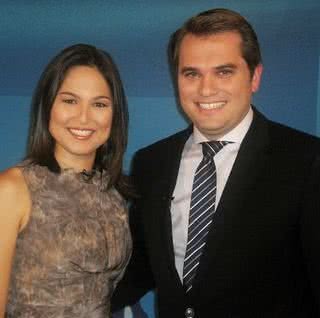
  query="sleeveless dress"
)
[{"x": 74, "y": 249}]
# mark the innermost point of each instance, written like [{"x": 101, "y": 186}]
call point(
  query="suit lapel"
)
[
  {"x": 251, "y": 157},
  {"x": 167, "y": 182}
]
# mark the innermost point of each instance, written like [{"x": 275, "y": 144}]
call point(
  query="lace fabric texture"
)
[{"x": 73, "y": 251}]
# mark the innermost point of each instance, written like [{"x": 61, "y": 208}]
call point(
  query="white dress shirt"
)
[{"x": 191, "y": 157}]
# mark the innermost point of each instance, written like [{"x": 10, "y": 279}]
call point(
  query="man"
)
[{"x": 227, "y": 228}]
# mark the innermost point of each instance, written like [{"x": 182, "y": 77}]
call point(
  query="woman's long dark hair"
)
[{"x": 109, "y": 156}]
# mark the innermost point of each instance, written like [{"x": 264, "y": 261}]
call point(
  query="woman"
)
[{"x": 64, "y": 233}]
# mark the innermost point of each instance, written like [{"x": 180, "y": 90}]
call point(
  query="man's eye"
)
[
  {"x": 191, "y": 74},
  {"x": 225, "y": 72}
]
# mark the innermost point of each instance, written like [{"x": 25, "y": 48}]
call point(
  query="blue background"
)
[{"x": 136, "y": 35}]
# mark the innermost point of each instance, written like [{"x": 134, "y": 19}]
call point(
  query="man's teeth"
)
[
  {"x": 81, "y": 132},
  {"x": 212, "y": 105}
]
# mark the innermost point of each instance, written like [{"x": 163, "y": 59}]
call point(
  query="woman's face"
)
[{"x": 81, "y": 117}]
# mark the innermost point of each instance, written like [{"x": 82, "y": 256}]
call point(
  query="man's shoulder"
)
[
  {"x": 280, "y": 132},
  {"x": 293, "y": 141},
  {"x": 292, "y": 136}
]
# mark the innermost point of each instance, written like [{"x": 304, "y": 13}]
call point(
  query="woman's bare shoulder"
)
[
  {"x": 12, "y": 181},
  {"x": 14, "y": 195}
]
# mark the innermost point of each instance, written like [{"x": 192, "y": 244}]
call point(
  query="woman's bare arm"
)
[{"x": 14, "y": 211}]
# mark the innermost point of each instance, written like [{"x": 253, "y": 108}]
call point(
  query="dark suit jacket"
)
[{"x": 262, "y": 256}]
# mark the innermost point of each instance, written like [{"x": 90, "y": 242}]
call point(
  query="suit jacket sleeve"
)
[
  {"x": 310, "y": 228},
  {"x": 138, "y": 278}
]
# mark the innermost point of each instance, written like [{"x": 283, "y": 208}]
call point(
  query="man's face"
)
[{"x": 214, "y": 82}]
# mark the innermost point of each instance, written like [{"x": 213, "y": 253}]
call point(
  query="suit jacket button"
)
[{"x": 189, "y": 313}]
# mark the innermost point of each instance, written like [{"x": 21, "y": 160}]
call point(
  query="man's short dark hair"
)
[{"x": 213, "y": 22}]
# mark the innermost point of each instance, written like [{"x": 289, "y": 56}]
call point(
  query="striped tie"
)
[{"x": 202, "y": 208}]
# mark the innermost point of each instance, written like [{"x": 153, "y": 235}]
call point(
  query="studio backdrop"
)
[{"x": 136, "y": 33}]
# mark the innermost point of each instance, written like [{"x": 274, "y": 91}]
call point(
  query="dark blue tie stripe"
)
[
  {"x": 204, "y": 190},
  {"x": 198, "y": 215}
]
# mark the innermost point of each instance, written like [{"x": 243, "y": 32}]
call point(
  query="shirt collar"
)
[{"x": 236, "y": 135}]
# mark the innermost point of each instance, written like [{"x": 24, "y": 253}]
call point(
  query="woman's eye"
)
[
  {"x": 100, "y": 105},
  {"x": 69, "y": 101}
]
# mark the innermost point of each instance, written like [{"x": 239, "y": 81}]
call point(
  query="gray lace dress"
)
[{"x": 73, "y": 251}]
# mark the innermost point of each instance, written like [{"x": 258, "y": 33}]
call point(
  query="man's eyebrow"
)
[
  {"x": 188, "y": 69},
  {"x": 223, "y": 66},
  {"x": 219, "y": 67}
]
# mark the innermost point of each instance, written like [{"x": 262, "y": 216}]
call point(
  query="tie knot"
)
[{"x": 211, "y": 148}]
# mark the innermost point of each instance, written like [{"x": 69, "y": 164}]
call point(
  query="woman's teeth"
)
[{"x": 81, "y": 132}]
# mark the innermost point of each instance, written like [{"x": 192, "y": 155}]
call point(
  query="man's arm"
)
[
  {"x": 310, "y": 229},
  {"x": 138, "y": 278}
]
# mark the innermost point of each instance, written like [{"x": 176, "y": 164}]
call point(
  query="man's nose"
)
[{"x": 208, "y": 86}]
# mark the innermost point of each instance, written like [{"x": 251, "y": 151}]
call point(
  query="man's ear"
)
[{"x": 256, "y": 78}]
